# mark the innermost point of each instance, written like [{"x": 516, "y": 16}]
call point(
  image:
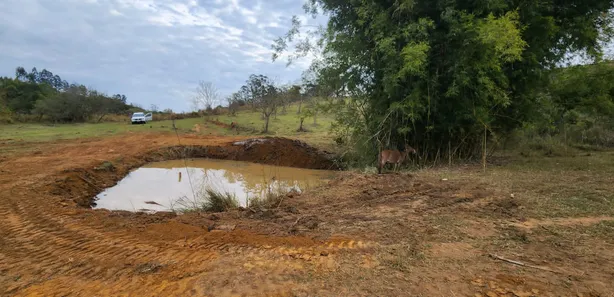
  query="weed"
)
[
  {"x": 218, "y": 201},
  {"x": 403, "y": 256},
  {"x": 272, "y": 198},
  {"x": 209, "y": 200},
  {"x": 106, "y": 166}
]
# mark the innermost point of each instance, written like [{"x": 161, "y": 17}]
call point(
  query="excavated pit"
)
[
  {"x": 81, "y": 185},
  {"x": 177, "y": 185}
]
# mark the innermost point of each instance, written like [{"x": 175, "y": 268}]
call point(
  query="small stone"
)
[
  {"x": 226, "y": 227},
  {"x": 324, "y": 253}
]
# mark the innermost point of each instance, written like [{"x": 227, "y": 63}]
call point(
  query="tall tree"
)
[{"x": 445, "y": 73}]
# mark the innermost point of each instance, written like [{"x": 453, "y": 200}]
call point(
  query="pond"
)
[{"x": 159, "y": 186}]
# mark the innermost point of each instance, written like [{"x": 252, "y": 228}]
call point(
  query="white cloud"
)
[
  {"x": 154, "y": 51},
  {"x": 115, "y": 12}
]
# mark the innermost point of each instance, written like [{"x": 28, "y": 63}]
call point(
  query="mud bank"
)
[{"x": 80, "y": 185}]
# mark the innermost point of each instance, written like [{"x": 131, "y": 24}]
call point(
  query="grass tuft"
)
[
  {"x": 272, "y": 198},
  {"x": 219, "y": 201},
  {"x": 209, "y": 200}
]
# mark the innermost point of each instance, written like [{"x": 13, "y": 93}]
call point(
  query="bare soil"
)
[{"x": 360, "y": 235}]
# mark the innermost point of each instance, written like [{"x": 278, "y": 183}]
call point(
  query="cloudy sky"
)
[{"x": 153, "y": 51}]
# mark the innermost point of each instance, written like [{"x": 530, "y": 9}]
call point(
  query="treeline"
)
[
  {"x": 44, "y": 96},
  {"x": 577, "y": 106},
  {"x": 456, "y": 78}
]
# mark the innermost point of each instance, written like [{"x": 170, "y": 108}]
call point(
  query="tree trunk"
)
[
  {"x": 266, "y": 123},
  {"x": 100, "y": 119},
  {"x": 300, "y": 128},
  {"x": 565, "y": 136},
  {"x": 449, "y": 154},
  {"x": 484, "y": 150},
  {"x": 300, "y": 103}
]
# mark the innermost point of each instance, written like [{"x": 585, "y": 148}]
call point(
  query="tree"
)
[
  {"x": 233, "y": 103},
  {"x": 120, "y": 97},
  {"x": 306, "y": 113},
  {"x": 153, "y": 108},
  {"x": 263, "y": 94},
  {"x": 268, "y": 103},
  {"x": 444, "y": 73},
  {"x": 206, "y": 95}
]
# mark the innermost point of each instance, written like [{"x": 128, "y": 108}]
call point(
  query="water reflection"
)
[{"x": 157, "y": 186}]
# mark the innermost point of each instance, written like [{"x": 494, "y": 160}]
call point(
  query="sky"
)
[{"x": 152, "y": 51}]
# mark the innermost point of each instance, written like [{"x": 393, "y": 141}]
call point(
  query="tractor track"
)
[{"x": 49, "y": 247}]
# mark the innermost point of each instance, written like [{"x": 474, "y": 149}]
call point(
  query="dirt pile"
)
[{"x": 283, "y": 152}]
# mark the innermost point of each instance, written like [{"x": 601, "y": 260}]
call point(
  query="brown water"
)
[{"x": 161, "y": 186}]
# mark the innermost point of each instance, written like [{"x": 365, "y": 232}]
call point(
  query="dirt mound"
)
[{"x": 283, "y": 152}]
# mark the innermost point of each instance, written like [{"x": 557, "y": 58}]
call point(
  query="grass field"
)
[{"x": 283, "y": 125}]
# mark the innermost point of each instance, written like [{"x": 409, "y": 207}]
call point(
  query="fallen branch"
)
[
  {"x": 523, "y": 264},
  {"x": 89, "y": 183},
  {"x": 295, "y": 222},
  {"x": 280, "y": 201}
]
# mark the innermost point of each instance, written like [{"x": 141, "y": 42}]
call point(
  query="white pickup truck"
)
[{"x": 140, "y": 118}]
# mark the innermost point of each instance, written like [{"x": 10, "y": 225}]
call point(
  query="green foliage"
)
[
  {"x": 46, "y": 95},
  {"x": 439, "y": 74}
]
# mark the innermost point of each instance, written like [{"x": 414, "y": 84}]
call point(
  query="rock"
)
[{"x": 225, "y": 227}]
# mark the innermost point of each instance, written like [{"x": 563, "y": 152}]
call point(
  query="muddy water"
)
[{"x": 167, "y": 185}]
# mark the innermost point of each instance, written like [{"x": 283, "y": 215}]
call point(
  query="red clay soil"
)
[{"x": 360, "y": 235}]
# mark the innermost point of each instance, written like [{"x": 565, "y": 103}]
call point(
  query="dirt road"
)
[{"x": 390, "y": 235}]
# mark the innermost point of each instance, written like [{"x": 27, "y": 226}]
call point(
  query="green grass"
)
[
  {"x": 550, "y": 187},
  {"x": 46, "y": 132},
  {"x": 285, "y": 125}
]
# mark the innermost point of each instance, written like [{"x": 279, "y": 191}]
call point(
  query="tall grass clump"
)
[
  {"x": 272, "y": 197},
  {"x": 209, "y": 200}
]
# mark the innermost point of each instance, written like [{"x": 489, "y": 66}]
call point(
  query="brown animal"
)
[{"x": 393, "y": 156}]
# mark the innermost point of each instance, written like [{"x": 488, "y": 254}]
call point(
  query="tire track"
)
[{"x": 50, "y": 250}]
